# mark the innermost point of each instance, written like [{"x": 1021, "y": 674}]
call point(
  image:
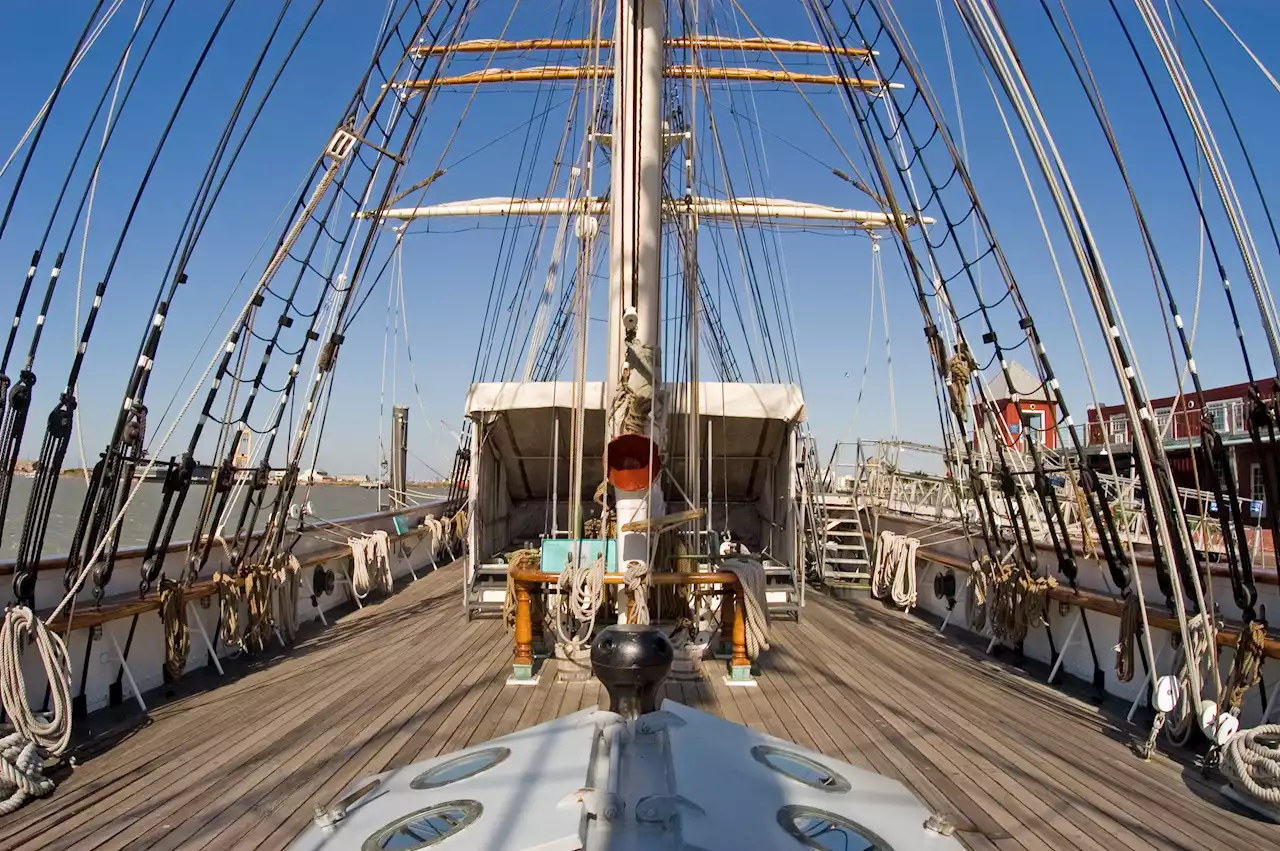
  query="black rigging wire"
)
[
  {"x": 44, "y": 120},
  {"x": 13, "y": 417},
  {"x": 58, "y": 433}
]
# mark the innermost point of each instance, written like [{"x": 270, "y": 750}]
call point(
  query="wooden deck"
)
[{"x": 1015, "y": 764}]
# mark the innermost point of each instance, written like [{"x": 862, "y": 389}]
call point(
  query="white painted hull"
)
[
  {"x": 101, "y": 668},
  {"x": 1093, "y": 576}
]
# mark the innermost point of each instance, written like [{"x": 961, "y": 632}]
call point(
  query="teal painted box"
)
[{"x": 557, "y": 551}]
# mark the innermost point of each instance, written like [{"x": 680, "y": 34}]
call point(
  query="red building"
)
[
  {"x": 1026, "y": 413},
  {"x": 1178, "y": 417}
]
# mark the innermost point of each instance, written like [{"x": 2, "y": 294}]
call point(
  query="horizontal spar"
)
[
  {"x": 702, "y": 42},
  {"x": 684, "y": 72},
  {"x": 772, "y": 209}
]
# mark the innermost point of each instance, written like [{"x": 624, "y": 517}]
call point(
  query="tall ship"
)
[{"x": 667, "y": 597}]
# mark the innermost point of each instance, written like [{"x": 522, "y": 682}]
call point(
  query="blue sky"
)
[{"x": 448, "y": 271}]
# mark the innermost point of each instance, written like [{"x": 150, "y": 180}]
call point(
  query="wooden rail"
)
[
  {"x": 734, "y": 631},
  {"x": 119, "y": 606},
  {"x": 1109, "y": 605}
]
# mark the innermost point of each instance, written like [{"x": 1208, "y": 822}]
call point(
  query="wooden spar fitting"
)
[
  {"x": 524, "y": 580},
  {"x": 762, "y": 45},
  {"x": 1108, "y": 605},
  {"x": 680, "y": 72}
]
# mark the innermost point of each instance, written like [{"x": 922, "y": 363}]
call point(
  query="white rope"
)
[
  {"x": 21, "y": 773},
  {"x": 21, "y": 766},
  {"x": 80, "y": 54},
  {"x": 582, "y": 586},
  {"x": 636, "y": 581},
  {"x": 1253, "y": 765},
  {"x": 54, "y": 734},
  {"x": 371, "y": 563},
  {"x": 894, "y": 574},
  {"x": 287, "y": 585},
  {"x": 751, "y": 580},
  {"x": 1256, "y": 61},
  {"x": 1186, "y": 717}
]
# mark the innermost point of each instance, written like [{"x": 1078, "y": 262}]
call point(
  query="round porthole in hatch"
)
[
  {"x": 459, "y": 768},
  {"x": 800, "y": 768},
  {"x": 828, "y": 831},
  {"x": 425, "y": 828}
]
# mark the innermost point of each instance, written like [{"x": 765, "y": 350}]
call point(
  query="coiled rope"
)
[
  {"x": 1246, "y": 667},
  {"x": 435, "y": 534},
  {"x": 581, "y": 588},
  {"x": 1251, "y": 759},
  {"x": 529, "y": 559},
  {"x": 177, "y": 635},
  {"x": 288, "y": 585},
  {"x": 1020, "y": 602},
  {"x": 371, "y": 563},
  {"x": 959, "y": 367},
  {"x": 1130, "y": 629},
  {"x": 259, "y": 585},
  {"x": 976, "y": 591},
  {"x": 229, "y": 593},
  {"x": 894, "y": 574},
  {"x": 21, "y": 773},
  {"x": 751, "y": 581},
  {"x": 21, "y": 764}
]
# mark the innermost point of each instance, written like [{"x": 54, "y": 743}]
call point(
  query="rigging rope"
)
[{"x": 636, "y": 581}]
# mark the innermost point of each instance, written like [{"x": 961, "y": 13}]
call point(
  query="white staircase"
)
[{"x": 846, "y": 561}]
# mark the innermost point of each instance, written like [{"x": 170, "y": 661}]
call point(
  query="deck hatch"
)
[
  {"x": 800, "y": 768},
  {"x": 467, "y": 765},
  {"x": 425, "y": 828}
]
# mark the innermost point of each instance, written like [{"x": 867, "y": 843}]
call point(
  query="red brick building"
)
[
  {"x": 1109, "y": 431},
  {"x": 1026, "y": 414}
]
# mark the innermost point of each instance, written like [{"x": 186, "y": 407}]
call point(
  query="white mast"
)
[
  {"x": 635, "y": 219},
  {"x": 635, "y": 270}
]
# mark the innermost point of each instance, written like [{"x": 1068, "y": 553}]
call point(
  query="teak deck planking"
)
[{"x": 1015, "y": 764}]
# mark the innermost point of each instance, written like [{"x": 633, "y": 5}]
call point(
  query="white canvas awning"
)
[
  {"x": 750, "y": 426},
  {"x": 715, "y": 399}
]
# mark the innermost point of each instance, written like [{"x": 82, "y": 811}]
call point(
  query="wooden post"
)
[
  {"x": 522, "y": 664},
  {"x": 725, "y": 650},
  {"x": 740, "y": 665}
]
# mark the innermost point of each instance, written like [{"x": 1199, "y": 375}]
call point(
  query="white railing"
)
[{"x": 878, "y": 479}]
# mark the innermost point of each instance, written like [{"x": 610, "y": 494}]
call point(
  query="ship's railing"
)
[{"x": 878, "y": 480}]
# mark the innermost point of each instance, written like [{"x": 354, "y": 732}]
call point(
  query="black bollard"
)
[{"x": 632, "y": 661}]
